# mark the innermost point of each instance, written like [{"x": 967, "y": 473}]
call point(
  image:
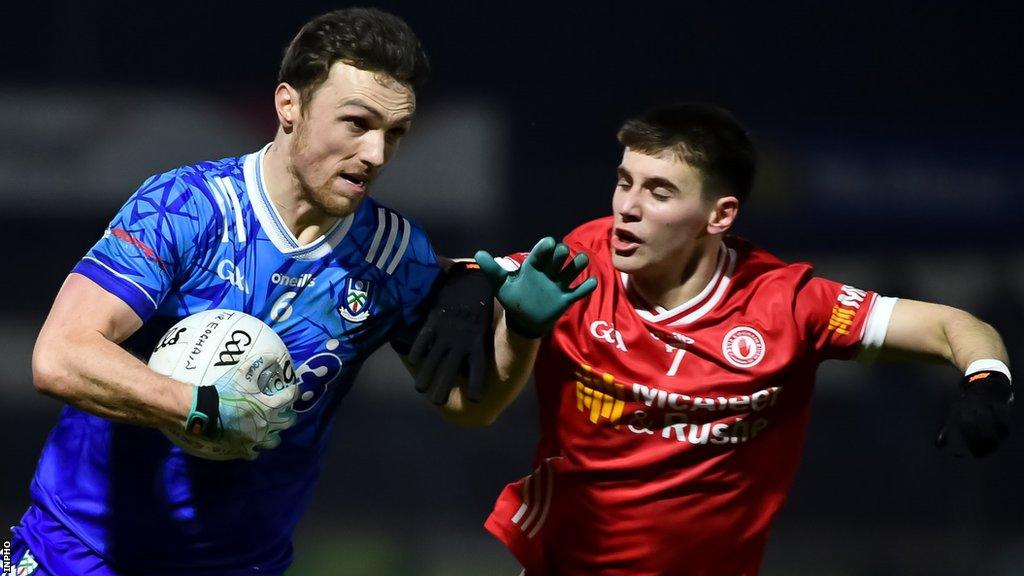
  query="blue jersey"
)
[{"x": 207, "y": 236}]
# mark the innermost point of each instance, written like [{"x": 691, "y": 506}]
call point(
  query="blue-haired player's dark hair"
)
[
  {"x": 706, "y": 137},
  {"x": 367, "y": 38}
]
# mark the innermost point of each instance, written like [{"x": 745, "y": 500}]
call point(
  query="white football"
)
[{"x": 203, "y": 347}]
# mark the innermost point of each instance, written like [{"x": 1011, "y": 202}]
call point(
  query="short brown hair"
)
[
  {"x": 367, "y": 38},
  {"x": 705, "y": 136}
]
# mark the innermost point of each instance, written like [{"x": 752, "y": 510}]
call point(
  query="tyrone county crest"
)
[{"x": 356, "y": 300}]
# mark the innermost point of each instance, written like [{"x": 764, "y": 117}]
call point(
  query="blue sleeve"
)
[
  {"x": 414, "y": 279},
  {"x": 150, "y": 243}
]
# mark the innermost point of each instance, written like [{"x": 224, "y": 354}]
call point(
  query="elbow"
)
[{"x": 48, "y": 373}]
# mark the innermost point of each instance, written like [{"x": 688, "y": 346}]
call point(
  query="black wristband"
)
[
  {"x": 989, "y": 384},
  {"x": 461, "y": 267},
  {"x": 204, "y": 418}
]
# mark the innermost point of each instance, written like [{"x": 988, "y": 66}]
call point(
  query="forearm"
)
[
  {"x": 922, "y": 330},
  {"x": 96, "y": 375},
  {"x": 969, "y": 339},
  {"x": 508, "y": 372}
]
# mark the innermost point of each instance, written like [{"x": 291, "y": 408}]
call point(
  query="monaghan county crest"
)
[{"x": 356, "y": 300}]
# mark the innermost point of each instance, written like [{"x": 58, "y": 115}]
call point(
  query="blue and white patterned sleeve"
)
[
  {"x": 151, "y": 242},
  {"x": 415, "y": 279}
]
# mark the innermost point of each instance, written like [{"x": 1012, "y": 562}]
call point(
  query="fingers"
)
[
  {"x": 540, "y": 256},
  {"x": 273, "y": 440},
  {"x": 284, "y": 419},
  {"x": 558, "y": 256},
  {"x": 424, "y": 342},
  {"x": 575, "y": 267},
  {"x": 494, "y": 272},
  {"x": 583, "y": 289},
  {"x": 445, "y": 379},
  {"x": 426, "y": 372},
  {"x": 245, "y": 449},
  {"x": 978, "y": 428}
]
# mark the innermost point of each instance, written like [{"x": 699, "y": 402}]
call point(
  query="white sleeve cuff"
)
[
  {"x": 875, "y": 328},
  {"x": 507, "y": 263}
]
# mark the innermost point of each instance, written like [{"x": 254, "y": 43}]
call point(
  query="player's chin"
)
[
  {"x": 340, "y": 204},
  {"x": 627, "y": 263}
]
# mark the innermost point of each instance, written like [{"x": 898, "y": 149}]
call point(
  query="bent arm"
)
[
  {"x": 940, "y": 333},
  {"x": 77, "y": 359}
]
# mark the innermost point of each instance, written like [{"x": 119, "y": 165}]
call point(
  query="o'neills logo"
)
[
  {"x": 743, "y": 347},
  {"x": 306, "y": 280}
]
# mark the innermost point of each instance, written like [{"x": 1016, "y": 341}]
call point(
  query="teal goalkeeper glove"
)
[{"x": 537, "y": 294}]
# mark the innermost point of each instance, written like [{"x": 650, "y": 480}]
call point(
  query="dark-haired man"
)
[
  {"x": 287, "y": 234},
  {"x": 673, "y": 401}
]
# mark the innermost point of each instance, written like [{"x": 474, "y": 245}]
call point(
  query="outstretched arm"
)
[
  {"x": 531, "y": 301},
  {"x": 940, "y": 333},
  {"x": 979, "y": 418}
]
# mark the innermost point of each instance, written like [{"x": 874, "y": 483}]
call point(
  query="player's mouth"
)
[
  {"x": 625, "y": 242},
  {"x": 355, "y": 183}
]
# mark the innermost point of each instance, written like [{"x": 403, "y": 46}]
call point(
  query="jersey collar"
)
[
  {"x": 272, "y": 223},
  {"x": 696, "y": 307}
]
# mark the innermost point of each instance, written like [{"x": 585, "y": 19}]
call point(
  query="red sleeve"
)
[
  {"x": 833, "y": 316},
  {"x": 585, "y": 238}
]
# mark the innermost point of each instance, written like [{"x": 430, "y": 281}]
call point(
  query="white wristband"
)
[{"x": 990, "y": 364}]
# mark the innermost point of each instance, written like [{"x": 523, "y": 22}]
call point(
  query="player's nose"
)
[
  {"x": 372, "y": 151},
  {"x": 626, "y": 205}
]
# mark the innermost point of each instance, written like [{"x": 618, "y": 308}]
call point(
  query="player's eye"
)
[
  {"x": 660, "y": 194},
  {"x": 356, "y": 124},
  {"x": 396, "y": 133},
  {"x": 622, "y": 184}
]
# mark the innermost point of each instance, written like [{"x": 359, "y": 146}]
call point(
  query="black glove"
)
[
  {"x": 457, "y": 336},
  {"x": 980, "y": 418}
]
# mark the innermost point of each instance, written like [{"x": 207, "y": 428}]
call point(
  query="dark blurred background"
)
[{"x": 891, "y": 157}]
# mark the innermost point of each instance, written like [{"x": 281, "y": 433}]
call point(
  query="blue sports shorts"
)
[{"x": 41, "y": 546}]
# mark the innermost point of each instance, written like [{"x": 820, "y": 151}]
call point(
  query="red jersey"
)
[{"x": 669, "y": 438}]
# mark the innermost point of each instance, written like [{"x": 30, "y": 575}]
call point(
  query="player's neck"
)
[
  {"x": 670, "y": 287},
  {"x": 304, "y": 220}
]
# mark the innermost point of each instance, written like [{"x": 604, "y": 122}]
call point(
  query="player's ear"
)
[
  {"x": 288, "y": 105},
  {"x": 723, "y": 214}
]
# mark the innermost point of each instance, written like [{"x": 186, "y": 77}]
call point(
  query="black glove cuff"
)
[
  {"x": 466, "y": 284},
  {"x": 204, "y": 418},
  {"x": 462, "y": 268},
  {"x": 989, "y": 384}
]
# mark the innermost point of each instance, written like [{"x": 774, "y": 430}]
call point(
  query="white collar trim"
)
[
  {"x": 271, "y": 222},
  {"x": 715, "y": 288}
]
